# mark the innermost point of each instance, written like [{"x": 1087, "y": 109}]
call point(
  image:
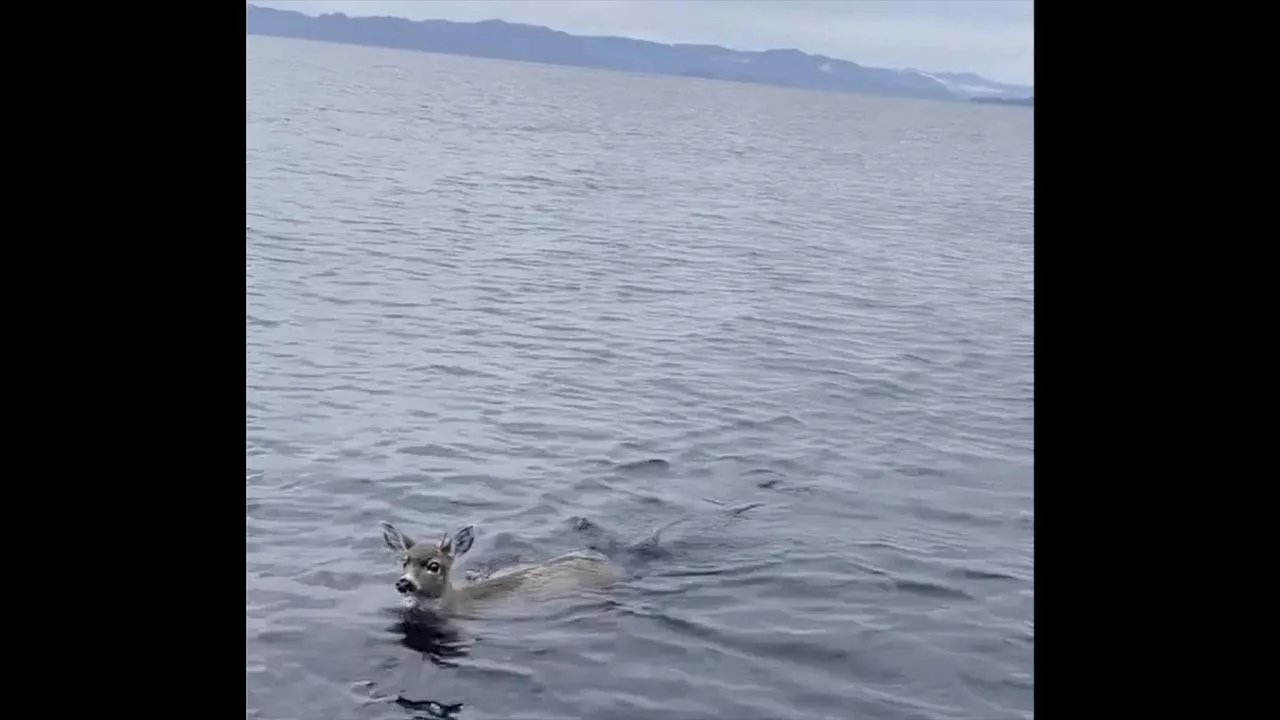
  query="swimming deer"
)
[{"x": 428, "y": 567}]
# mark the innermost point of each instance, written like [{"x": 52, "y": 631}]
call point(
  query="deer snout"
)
[{"x": 404, "y": 586}]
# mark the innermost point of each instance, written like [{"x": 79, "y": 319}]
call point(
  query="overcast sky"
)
[{"x": 994, "y": 38}]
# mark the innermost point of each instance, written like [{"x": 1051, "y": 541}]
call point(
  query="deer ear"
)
[
  {"x": 395, "y": 539},
  {"x": 462, "y": 541}
]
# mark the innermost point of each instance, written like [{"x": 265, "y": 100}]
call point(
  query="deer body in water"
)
[{"x": 428, "y": 569}]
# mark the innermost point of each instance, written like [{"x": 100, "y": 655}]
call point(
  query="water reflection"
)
[
  {"x": 431, "y": 707},
  {"x": 430, "y": 634}
]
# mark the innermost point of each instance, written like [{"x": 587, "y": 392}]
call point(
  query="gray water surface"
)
[{"x": 572, "y": 307}]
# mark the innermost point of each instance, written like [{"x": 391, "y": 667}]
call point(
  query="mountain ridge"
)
[
  {"x": 1021, "y": 101},
  {"x": 498, "y": 39}
]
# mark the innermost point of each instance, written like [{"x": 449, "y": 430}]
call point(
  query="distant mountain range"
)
[
  {"x": 534, "y": 43},
  {"x": 1026, "y": 101}
]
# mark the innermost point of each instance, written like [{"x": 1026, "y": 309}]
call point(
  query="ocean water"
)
[{"x": 771, "y": 350}]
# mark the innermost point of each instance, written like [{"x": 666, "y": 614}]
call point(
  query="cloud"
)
[{"x": 994, "y": 38}]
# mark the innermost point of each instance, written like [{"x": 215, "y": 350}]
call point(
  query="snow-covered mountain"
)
[{"x": 969, "y": 85}]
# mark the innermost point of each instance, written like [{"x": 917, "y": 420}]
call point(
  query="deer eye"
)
[{"x": 433, "y": 566}]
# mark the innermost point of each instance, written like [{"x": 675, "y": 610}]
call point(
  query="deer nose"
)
[{"x": 404, "y": 587}]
